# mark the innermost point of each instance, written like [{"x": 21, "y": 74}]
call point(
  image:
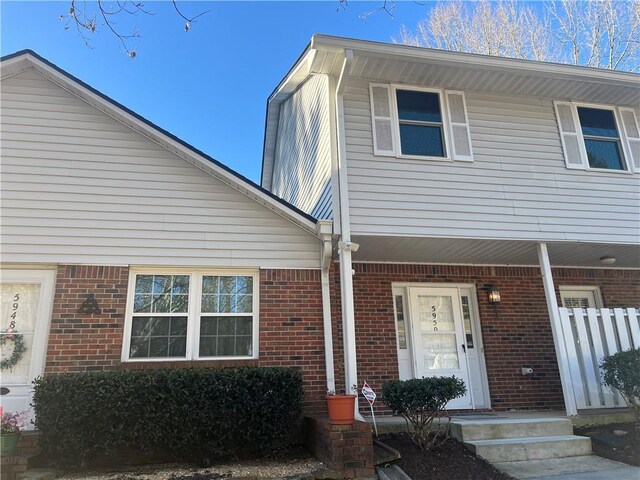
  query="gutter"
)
[
  {"x": 323, "y": 231},
  {"x": 345, "y": 246}
]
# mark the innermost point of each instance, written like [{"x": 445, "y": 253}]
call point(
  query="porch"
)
[{"x": 539, "y": 350}]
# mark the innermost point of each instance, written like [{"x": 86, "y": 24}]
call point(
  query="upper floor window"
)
[
  {"x": 191, "y": 315},
  {"x": 601, "y": 138},
  {"x": 419, "y": 123},
  {"x": 598, "y": 137}
]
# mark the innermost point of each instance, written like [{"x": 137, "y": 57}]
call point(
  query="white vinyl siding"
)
[
  {"x": 517, "y": 188},
  {"x": 302, "y": 164},
  {"x": 80, "y": 187}
]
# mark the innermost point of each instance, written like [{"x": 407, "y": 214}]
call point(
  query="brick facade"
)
[
  {"x": 291, "y": 327},
  {"x": 81, "y": 342},
  {"x": 516, "y": 333},
  {"x": 347, "y": 449}
]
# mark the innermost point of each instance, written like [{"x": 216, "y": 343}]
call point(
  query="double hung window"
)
[
  {"x": 191, "y": 315},
  {"x": 598, "y": 137},
  {"x": 601, "y": 138},
  {"x": 419, "y": 123}
]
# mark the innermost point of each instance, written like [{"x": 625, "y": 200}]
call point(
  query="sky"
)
[{"x": 209, "y": 86}]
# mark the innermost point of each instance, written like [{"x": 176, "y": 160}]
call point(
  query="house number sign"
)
[
  {"x": 434, "y": 315},
  {"x": 12, "y": 345}
]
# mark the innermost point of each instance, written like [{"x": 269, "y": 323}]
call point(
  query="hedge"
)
[{"x": 196, "y": 413}]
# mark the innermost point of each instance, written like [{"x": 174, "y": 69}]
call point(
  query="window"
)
[
  {"x": 599, "y": 137},
  {"x": 419, "y": 123},
  {"x": 191, "y": 315},
  {"x": 580, "y": 297}
]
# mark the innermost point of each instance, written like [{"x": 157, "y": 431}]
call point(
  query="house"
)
[
  {"x": 400, "y": 188},
  {"x": 476, "y": 201},
  {"x": 124, "y": 247}
]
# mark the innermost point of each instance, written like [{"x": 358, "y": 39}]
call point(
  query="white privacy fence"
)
[{"x": 589, "y": 335}]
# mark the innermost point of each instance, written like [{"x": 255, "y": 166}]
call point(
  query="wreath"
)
[{"x": 11, "y": 348}]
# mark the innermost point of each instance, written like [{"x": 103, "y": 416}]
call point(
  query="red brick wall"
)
[
  {"x": 80, "y": 342},
  {"x": 346, "y": 449},
  {"x": 291, "y": 327},
  {"x": 517, "y": 333}
]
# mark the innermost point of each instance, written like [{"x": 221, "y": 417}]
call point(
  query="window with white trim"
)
[
  {"x": 191, "y": 315},
  {"x": 419, "y": 123},
  {"x": 599, "y": 137}
]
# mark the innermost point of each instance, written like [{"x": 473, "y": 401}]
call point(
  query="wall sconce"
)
[{"x": 494, "y": 295}]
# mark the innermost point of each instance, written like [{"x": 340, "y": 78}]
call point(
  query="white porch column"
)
[{"x": 556, "y": 330}]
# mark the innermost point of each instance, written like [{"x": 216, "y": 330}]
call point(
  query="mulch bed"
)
[
  {"x": 620, "y": 447},
  {"x": 448, "y": 461}
]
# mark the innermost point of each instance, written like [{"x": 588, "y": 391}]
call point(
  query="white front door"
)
[
  {"x": 25, "y": 313},
  {"x": 438, "y": 337}
]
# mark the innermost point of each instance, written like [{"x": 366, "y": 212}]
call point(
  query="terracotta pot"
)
[
  {"x": 9, "y": 443},
  {"x": 341, "y": 409}
]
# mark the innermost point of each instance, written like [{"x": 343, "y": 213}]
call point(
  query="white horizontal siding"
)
[
  {"x": 80, "y": 187},
  {"x": 302, "y": 165},
  {"x": 517, "y": 188}
]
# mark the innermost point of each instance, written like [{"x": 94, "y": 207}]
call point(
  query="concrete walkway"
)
[{"x": 589, "y": 467}]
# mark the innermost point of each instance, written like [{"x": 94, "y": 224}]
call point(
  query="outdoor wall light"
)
[
  {"x": 494, "y": 295},
  {"x": 607, "y": 260}
]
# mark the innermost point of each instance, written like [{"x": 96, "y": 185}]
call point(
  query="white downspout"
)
[
  {"x": 556, "y": 330},
  {"x": 324, "y": 232},
  {"x": 345, "y": 247}
]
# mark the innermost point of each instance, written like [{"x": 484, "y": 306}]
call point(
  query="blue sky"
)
[{"x": 209, "y": 86}]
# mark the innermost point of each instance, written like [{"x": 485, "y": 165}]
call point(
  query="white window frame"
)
[
  {"x": 626, "y": 154},
  {"x": 597, "y": 295},
  {"x": 444, "y": 112},
  {"x": 193, "y": 314}
]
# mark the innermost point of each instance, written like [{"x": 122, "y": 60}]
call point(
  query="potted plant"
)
[
  {"x": 11, "y": 426},
  {"x": 341, "y": 408}
]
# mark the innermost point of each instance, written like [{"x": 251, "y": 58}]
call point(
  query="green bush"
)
[
  {"x": 421, "y": 401},
  {"x": 622, "y": 372},
  {"x": 194, "y": 414}
]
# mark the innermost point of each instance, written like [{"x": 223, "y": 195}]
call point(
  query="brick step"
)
[
  {"x": 530, "y": 448},
  {"x": 487, "y": 429}
]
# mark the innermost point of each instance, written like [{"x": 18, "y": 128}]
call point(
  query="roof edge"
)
[
  {"x": 197, "y": 154},
  {"x": 341, "y": 43}
]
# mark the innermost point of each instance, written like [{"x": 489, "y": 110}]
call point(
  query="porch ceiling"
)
[{"x": 490, "y": 252}]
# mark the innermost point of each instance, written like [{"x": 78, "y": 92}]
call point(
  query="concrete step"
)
[
  {"x": 576, "y": 466},
  {"x": 38, "y": 474},
  {"x": 530, "y": 448},
  {"x": 487, "y": 429},
  {"x": 392, "y": 472}
]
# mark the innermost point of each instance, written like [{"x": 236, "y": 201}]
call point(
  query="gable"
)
[{"x": 79, "y": 186}]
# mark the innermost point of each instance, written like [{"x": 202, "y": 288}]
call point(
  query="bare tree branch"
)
[
  {"x": 85, "y": 17},
  {"x": 597, "y": 33}
]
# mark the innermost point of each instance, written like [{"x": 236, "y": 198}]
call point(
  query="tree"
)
[
  {"x": 598, "y": 33},
  {"x": 88, "y": 18}
]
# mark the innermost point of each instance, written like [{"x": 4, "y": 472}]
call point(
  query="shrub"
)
[
  {"x": 194, "y": 414},
  {"x": 421, "y": 401},
  {"x": 622, "y": 372}
]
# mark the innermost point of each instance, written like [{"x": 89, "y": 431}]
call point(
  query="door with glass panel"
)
[
  {"x": 438, "y": 337},
  {"x": 25, "y": 315}
]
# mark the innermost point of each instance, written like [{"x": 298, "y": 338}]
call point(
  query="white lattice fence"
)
[{"x": 589, "y": 335}]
